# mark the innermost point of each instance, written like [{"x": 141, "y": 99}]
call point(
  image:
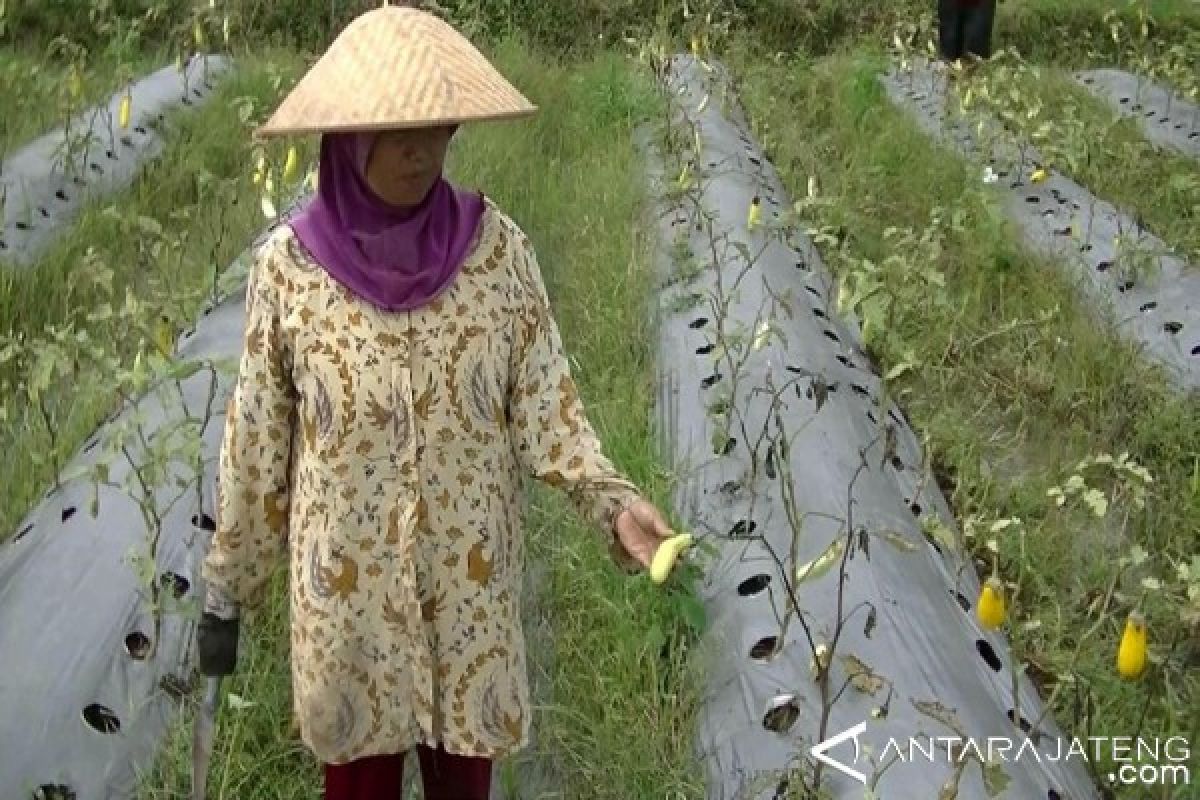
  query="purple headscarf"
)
[{"x": 397, "y": 259}]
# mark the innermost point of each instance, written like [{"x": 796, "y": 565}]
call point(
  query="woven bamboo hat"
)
[{"x": 394, "y": 68}]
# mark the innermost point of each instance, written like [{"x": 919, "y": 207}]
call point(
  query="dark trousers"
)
[
  {"x": 444, "y": 777},
  {"x": 965, "y": 28}
]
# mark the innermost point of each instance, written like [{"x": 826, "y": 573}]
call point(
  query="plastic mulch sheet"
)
[
  {"x": 83, "y": 706},
  {"x": 47, "y": 183},
  {"x": 1128, "y": 275},
  {"x": 810, "y": 473},
  {"x": 1166, "y": 118}
]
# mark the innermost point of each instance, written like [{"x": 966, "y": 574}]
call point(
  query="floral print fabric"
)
[{"x": 384, "y": 454}]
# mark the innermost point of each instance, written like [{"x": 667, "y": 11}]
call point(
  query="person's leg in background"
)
[
  {"x": 950, "y": 29},
  {"x": 371, "y": 778},
  {"x": 978, "y": 20},
  {"x": 449, "y": 777}
]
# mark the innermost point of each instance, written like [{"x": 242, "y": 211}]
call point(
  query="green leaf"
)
[
  {"x": 995, "y": 779},
  {"x": 897, "y": 371},
  {"x": 898, "y": 540},
  {"x": 822, "y": 563},
  {"x": 693, "y": 613}
]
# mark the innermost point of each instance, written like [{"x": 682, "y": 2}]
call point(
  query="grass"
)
[
  {"x": 1015, "y": 384},
  {"x": 189, "y": 213},
  {"x": 615, "y": 716}
]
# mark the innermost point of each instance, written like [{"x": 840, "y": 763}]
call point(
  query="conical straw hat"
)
[{"x": 395, "y": 68}]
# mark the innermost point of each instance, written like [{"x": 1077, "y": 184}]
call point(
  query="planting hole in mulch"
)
[
  {"x": 1103, "y": 266},
  {"x": 175, "y": 583},
  {"x": 102, "y": 719},
  {"x": 730, "y": 488},
  {"x": 915, "y": 508},
  {"x": 67, "y": 513},
  {"x": 833, "y": 337},
  {"x": 23, "y": 532},
  {"x": 812, "y": 291},
  {"x": 742, "y": 529},
  {"x": 698, "y": 323},
  {"x": 988, "y": 653},
  {"x": 754, "y": 585},
  {"x": 818, "y": 313},
  {"x": 710, "y": 381},
  {"x": 764, "y": 648},
  {"x": 1173, "y": 327},
  {"x": 1148, "y": 307},
  {"x": 1196, "y": 350},
  {"x": 61, "y": 195},
  {"x": 1053, "y": 795},
  {"x": 137, "y": 645},
  {"x": 204, "y": 522},
  {"x": 782, "y": 714},
  {"x": 1026, "y": 728},
  {"x": 963, "y": 601},
  {"x": 54, "y": 791},
  {"x": 705, "y": 349}
]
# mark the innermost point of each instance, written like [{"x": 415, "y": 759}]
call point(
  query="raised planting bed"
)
[
  {"x": 1126, "y": 273},
  {"x": 91, "y": 682},
  {"x": 1166, "y": 118},
  {"x": 48, "y": 182},
  {"x": 835, "y": 606}
]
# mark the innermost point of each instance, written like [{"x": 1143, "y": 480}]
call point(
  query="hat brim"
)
[{"x": 271, "y": 131}]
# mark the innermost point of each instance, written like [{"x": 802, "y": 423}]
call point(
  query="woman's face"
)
[{"x": 404, "y": 165}]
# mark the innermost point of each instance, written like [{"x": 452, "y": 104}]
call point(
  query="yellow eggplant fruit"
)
[{"x": 667, "y": 554}]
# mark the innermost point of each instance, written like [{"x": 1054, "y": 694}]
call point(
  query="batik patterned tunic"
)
[{"x": 384, "y": 453}]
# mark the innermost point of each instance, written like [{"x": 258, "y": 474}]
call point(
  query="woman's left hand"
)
[{"x": 641, "y": 528}]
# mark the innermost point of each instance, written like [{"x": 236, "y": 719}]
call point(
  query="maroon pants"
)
[{"x": 444, "y": 776}]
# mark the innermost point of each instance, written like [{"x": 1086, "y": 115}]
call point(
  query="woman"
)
[
  {"x": 401, "y": 371},
  {"x": 965, "y": 27}
]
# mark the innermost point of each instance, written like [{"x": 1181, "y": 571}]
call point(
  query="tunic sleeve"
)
[
  {"x": 253, "y": 492},
  {"x": 554, "y": 439}
]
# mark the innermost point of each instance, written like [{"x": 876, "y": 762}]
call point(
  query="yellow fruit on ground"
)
[
  {"x": 667, "y": 554},
  {"x": 289, "y": 167},
  {"x": 1038, "y": 175},
  {"x": 126, "y": 109},
  {"x": 1131, "y": 653},
  {"x": 990, "y": 609},
  {"x": 754, "y": 215},
  {"x": 164, "y": 336}
]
